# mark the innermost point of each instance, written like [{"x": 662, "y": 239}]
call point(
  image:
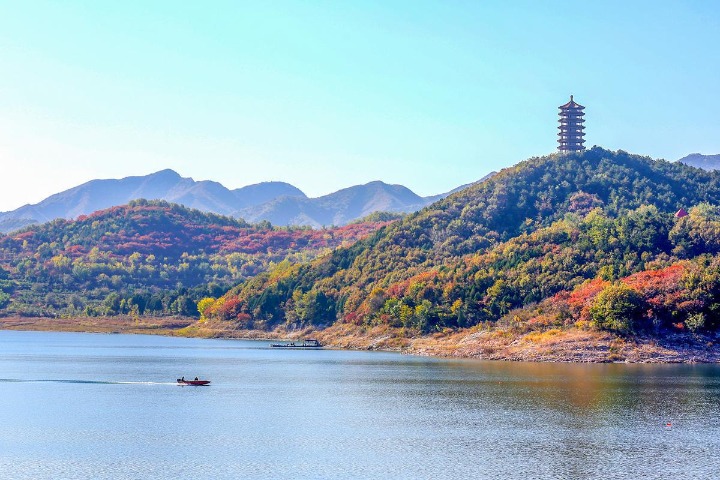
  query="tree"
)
[
  {"x": 204, "y": 305},
  {"x": 617, "y": 308},
  {"x": 4, "y": 299}
]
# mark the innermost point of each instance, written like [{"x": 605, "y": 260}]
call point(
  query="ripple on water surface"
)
[{"x": 106, "y": 406}]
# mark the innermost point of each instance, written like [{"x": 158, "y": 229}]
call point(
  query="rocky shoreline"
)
[{"x": 554, "y": 345}]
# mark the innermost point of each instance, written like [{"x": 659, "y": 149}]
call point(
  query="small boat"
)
[
  {"x": 309, "y": 343},
  {"x": 196, "y": 382}
]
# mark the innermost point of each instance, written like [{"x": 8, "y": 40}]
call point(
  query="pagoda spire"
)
[{"x": 572, "y": 131}]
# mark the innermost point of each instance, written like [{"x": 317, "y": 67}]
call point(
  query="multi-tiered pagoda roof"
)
[{"x": 572, "y": 131}]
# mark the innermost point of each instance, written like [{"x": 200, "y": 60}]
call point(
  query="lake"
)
[{"x": 79, "y": 406}]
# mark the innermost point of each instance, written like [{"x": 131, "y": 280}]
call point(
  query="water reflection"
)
[
  {"x": 558, "y": 420},
  {"x": 573, "y": 388}
]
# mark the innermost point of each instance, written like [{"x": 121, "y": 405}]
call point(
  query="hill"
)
[
  {"x": 513, "y": 241},
  {"x": 706, "y": 162},
  {"x": 148, "y": 257}
]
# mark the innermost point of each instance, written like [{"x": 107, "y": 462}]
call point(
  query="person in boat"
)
[
  {"x": 182, "y": 379},
  {"x": 196, "y": 379}
]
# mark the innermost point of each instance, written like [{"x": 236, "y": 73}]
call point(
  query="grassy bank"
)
[{"x": 119, "y": 324}]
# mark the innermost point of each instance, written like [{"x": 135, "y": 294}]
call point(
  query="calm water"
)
[{"x": 106, "y": 406}]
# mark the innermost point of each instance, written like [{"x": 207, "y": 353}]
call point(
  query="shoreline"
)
[{"x": 565, "y": 346}]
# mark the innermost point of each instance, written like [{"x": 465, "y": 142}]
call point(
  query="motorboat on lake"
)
[
  {"x": 197, "y": 382},
  {"x": 309, "y": 343}
]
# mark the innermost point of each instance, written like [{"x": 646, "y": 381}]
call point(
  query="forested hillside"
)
[
  {"x": 148, "y": 257},
  {"x": 507, "y": 248}
]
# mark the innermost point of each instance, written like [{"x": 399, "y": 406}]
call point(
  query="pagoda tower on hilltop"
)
[{"x": 572, "y": 130}]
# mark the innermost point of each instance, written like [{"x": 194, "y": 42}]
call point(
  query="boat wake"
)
[{"x": 87, "y": 382}]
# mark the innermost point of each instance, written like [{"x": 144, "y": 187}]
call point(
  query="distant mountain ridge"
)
[
  {"x": 344, "y": 206},
  {"x": 706, "y": 162},
  {"x": 278, "y": 202},
  {"x": 337, "y": 208},
  {"x": 166, "y": 185}
]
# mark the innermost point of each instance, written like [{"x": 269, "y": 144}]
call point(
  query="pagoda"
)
[{"x": 570, "y": 138}]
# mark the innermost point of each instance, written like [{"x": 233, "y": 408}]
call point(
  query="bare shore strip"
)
[{"x": 553, "y": 345}]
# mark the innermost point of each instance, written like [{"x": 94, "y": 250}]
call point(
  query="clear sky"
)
[{"x": 329, "y": 94}]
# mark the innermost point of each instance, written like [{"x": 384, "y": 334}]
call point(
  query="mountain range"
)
[
  {"x": 278, "y": 202},
  {"x": 706, "y": 162}
]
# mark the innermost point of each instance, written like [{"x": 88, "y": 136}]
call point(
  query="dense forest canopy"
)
[
  {"x": 148, "y": 257},
  {"x": 508, "y": 247}
]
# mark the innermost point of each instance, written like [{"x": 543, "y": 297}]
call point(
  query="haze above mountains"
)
[{"x": 280, "y": 203}]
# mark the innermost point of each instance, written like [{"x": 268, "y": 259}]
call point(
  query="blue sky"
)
[{"x": 329, "y": 94}]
